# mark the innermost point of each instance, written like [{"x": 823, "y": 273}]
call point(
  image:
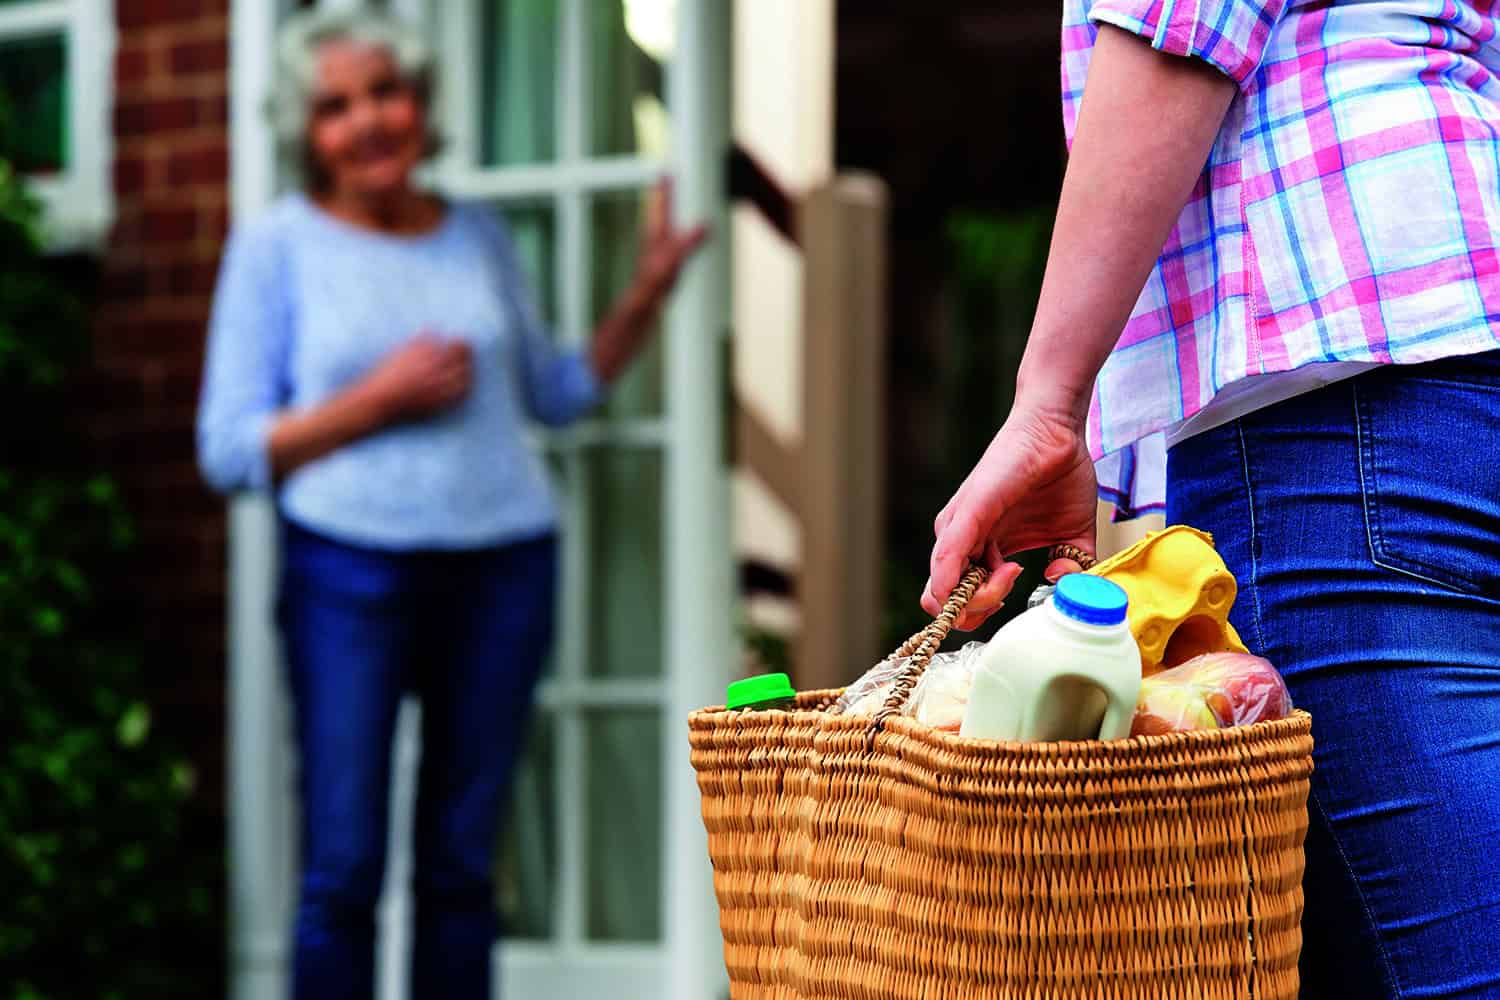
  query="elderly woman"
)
[{"x": 373, "y": 360}]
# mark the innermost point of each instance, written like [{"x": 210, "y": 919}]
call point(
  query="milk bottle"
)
[{"x": 1067, "y": 669}]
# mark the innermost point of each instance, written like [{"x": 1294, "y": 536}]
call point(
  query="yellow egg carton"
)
[{"x": 1180, "y": 594}]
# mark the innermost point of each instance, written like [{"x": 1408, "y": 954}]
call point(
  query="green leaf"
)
[
  {"x": 184, "y": 778},
  {"x": 48, "y": 621},
  {"x": 134, "y": 725}
]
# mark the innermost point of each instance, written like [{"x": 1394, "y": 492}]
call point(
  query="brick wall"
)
[{"x": 171, "y": 189}]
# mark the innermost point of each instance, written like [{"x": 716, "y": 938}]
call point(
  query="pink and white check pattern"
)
[{"x": 1349, "y": 211}]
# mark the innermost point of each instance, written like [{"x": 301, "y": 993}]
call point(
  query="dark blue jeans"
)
[
  {"x": 1363, "y": 523},
  {"x": 467, "y": 632}
]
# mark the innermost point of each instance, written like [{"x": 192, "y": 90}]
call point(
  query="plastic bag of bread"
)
[
  {"x": 938, "y": 700},
  {"x": 1211, "y": 691}
]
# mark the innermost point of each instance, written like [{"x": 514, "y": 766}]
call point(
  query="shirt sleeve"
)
[
  {"x": 560, "y": 385},
  {"x": 1230, "y": 35},
  {"x": 244, "y": 373}
]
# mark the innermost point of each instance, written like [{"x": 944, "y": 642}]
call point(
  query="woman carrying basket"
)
[{"x": 1272, "y": 307}]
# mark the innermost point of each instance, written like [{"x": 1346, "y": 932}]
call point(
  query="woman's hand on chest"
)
[{"x": 425, "y": 376}]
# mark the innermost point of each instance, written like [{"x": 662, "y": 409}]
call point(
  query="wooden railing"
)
[{"x": 832, "y": 478}]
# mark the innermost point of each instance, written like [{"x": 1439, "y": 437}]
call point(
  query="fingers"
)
[
  {"x": 457, "y": 387},
  {"x": 666, "y": 194},
  {"x": 990, "y": 597},
  {"x": 448, "y": 376},
  {"x": 660, "y": 225},
  {"x": 459, "y": 354},
  {"x": 658, "y": 220},
  {"x": 945, "y": 516},
  {"x": 680, "y": 246},
  {"x": 1062, "y": 566},
  {"x": 1059, "y": 568},
  {"x": 959, "y": 540},
  {"x": 444, "y": 390},
  {"x": 691, "y": 239}
]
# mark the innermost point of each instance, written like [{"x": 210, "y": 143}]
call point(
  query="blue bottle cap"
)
[{"x": 1090, "y": 599}]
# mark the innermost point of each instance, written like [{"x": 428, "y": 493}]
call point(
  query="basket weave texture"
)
[{"x": 874, "y": 858}]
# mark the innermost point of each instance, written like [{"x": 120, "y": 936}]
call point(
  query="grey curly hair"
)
[{"x": 296, "y": 75}]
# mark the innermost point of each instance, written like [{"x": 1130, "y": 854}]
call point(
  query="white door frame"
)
[{"x": 698, "y": 567}]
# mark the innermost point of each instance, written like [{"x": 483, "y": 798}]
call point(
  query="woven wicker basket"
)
[{"x": 875, "y": 858}]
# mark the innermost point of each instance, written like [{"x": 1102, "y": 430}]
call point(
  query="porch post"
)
[
  {"x": 699, "y": 566},
  {"x": 260, "y": 800}
]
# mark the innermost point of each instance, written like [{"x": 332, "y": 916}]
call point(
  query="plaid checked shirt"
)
[{"x": 1349, "y": 210}]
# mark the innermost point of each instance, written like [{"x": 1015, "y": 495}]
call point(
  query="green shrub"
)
[{"x": 98, "y": 896}]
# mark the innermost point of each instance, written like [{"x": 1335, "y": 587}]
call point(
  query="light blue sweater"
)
[{"x": 307, "y": 304}]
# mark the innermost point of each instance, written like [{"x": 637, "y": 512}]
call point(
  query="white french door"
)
[{"x": 561, "y": 115}]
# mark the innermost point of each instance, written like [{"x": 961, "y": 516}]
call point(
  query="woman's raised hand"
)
[
  {"x": 1033, "y": 488},
  {"x": 664, "y": 247},
  {"x": 424, "y": 376},
  {"x": 664, "y": 250}
]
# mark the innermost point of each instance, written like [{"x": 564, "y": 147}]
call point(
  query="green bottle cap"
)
[{"x": 755, "y": 690}]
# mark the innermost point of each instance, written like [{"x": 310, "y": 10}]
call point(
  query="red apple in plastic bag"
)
[{"x": 1209, "y": 692}]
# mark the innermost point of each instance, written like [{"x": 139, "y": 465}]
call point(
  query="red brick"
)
[
  {"x": 192, "y": 58},
  {"x": 145, "y": 13},
  {"x": 174, "y": 392},
  {"x": 204, "y": 164},
  {"x": 151, "y": 339},
  {"x": 173, "y": 344},
  {"x": 213, "y": 222},
  {"x": 132, "y": 64},
  {"x": 154, "y": 115},
  {"x": 214, "y": 110},
  {"x": 192, "y": 278},
  {"x": 171, "y": 115},
  {"x": 130, "y": 174},
  {"x": 171, "y": 501},
  {"x": 170, "y": 612},
  {"x": 169, "y": 225},
  {"x": 126, "y": 231},
  {"x": 125, "y": 282}
]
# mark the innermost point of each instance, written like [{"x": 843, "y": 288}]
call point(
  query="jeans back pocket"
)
[{"x": 1430, "y": 473}]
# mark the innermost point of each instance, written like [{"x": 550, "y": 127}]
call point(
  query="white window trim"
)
[{"x": 78, "y": 203}]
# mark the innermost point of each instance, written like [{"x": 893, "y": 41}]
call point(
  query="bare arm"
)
[
  {"x": 302, "y": 436},
  {"x": 1145, "y": 129},
  {"x": 622, "y": 333},
  {"x": 423, "y": 377}
]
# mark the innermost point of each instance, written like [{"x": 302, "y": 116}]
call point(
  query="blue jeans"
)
[
  {"x": 1363, "y": 523},
  {"x": 467, "y": 632}
]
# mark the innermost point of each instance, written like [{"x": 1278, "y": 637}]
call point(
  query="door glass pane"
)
[
  {"x": 625, "y": 828},
  {"x": 34, "y": 89},
  {"x": 632, "y": 41},
  {"x": 617, "y": 219},
  {"x": 518, "y": 80},
  {"x": 526, "y": 869},
  {"x": 625, "y": 534},
  {"x": 533, "y": 229}
]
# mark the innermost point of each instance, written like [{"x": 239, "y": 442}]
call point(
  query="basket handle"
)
[
  {"x": 920, "y": 649},
  {"x": 924, "y": 645}
]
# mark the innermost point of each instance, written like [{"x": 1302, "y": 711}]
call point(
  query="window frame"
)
[
  {"x": 569, "y": 184},
  {"x": 78, "y": 201}
]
